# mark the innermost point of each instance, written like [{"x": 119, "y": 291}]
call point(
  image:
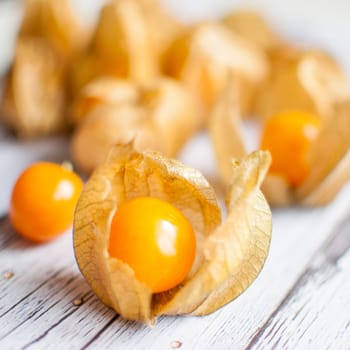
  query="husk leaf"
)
[
  {"x": 123, "y": 41},
  {"x": 225, "y": 130},
  {"x": 206, "y": 54},
  {"x": 103, "y": 91},
  {"x": 254, "y": 28},
  {"x": 160, "y": 116},
  {"x": 277, "y": 191},
  {"x": 56, "y": 22},
  {"x": 106, "y": 126},
  {"x": 164, "y": 27},
  {"x": 302, "y": 80},
  {"x": 235, "y": 252},
  {"x": 173, "y": 113},
  {"x": 34, "y": 99},
  {"x": 329, "y": 160}
]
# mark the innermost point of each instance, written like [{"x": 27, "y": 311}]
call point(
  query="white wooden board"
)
[{"x": 300, "y": 300}]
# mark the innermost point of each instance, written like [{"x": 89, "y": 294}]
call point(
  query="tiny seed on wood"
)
[
  {"x": 176, "y": 344},
  {"x": 8, "y": 275},
  {"x": 77, "y": 302}
]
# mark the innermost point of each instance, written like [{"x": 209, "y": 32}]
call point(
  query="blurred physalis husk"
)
[
  {"x": 203, "y": 57},
  {"x": 33, "y": 101},
  {"x": 55, "y": 21},
  {"x": 302, "y": 80},
  {"x": 160, "y": 116},
  {"x": 83, "y": 69},
  {"x": 164, "y": 27},
  {"x": 129, "y": 41},
  {"x": 123, "y": 42},
  {"x": 329, "y": 159},
  {"x": 329, "y": 156},
  {"x": 101, "y": 91},
  {"x": 230, "y": 253},
  {"x": 224, "y": 128},
  {"x": 254, "y": 28}
]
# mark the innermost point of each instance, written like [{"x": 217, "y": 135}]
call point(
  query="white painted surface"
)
[
  {"x": 36, "y": 304},
  {"x": 300, "y": 301}
]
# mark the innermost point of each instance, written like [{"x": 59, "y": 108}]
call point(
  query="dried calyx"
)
[
  {"x": 33, "y": 101},
  {"x": 160, "y": 116},
  {"x": 230, "y": 253},
  {"x": 34, "y": 97},
  {"x": 206, "y": 54},
  {"x": 128, "y": 43},
  {"x": 328, "y": 156},
  {"x": 311, "y": 81},
  {"x": 254, "y": 28}
]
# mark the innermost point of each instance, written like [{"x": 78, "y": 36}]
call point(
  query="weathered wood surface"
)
[
  {"x": 301, "y": 292},
  {"x": 300, "y": 300}
]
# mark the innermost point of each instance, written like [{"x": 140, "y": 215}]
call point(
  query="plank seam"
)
[
  {"x": 29, "y": 294},
  {"x": 97, "y": 335},
  {"x": 36, "y": 311},
  {"x": 329, "y": 260},
  {"x": 44, "y": 334}
]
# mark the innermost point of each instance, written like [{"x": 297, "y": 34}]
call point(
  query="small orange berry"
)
[
  {"x": 43, "y": 201},
  {"x": 288, "y": 137},
  {"x": 155, "y": 240}
]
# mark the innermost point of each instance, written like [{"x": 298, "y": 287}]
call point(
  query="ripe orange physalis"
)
[
  {"x": 288, "y": 137},
  {"x": 155, "y": 239},
  {"x": 43, "y": 201}
]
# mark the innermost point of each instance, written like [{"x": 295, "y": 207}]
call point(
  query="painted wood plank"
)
[
  {"x": 316, "y": 314},
  {"x": 46, "y": 313},
  {"x": 39, "y": 308},
  {"x": 37, "y": 302},
  {"x": 45, "y": 290},
  {"x": 298, "y": 234}
]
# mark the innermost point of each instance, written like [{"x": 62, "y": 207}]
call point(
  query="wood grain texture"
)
[
  {"x": 37, "y": 304},
  {"x": 293, "y": 245},
  {"x": 316, "y": 313},
  {"x": 300, "y": 301}
]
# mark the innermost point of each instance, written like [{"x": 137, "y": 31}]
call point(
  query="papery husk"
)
[
  {"x": 127, "y": 174},
  {"x": 106, "y": 126},
  {"x": 229, "y": 255},
  {"x": 234, "y": 254},
  {"x": 329, "y": 160},
  {"x": 115, "y": 52},
  {"x": 56, "y": 22},
  {"x": 302, "y": 80},
  {"x": 103, "y": 91},
  {"x": 252, "y": 26},
  {"x": 173, "y": 113},
  {"x": 277, "y": 191},
  {"x": 225, "y": 131},
  {"x": 206, "y": 54},
  {"x": 224, "y": 128},
  {"x": 166, "y": 118},
  {"x": 82, "y": 70},
  {"x": 123, "y": 42},
  {"x": 34, "y": 99},
  {"x": 164, "y": 27}
]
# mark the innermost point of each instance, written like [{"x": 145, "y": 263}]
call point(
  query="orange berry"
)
[
  {"x": 288, "y": 137},
  {"x": 155, "y": 240},
  {"x": 43, "y": 201}
]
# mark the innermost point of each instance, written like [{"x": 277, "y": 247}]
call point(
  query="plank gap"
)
[
  {"x": 97, "y": 335},
  {"x": 29, "y": 294},
  {"x": 44, "y": 334},
  {"x": 325, "y": 260}
]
